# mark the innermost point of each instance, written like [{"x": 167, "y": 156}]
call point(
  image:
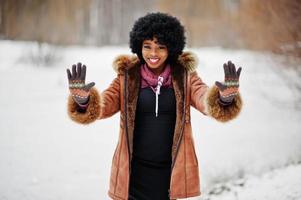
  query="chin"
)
[{"x": 153, "y": 66}]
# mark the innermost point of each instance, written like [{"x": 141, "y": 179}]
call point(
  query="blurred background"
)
[
  {"x": 44, "y": 155},
  {"x": 261, "y": 25}
]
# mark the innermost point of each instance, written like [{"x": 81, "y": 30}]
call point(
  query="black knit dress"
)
[{"x": 153, "y": 136}]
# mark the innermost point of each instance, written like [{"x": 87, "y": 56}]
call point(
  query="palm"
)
[
  {"x": 79, "y": 90},
  {"x": 229, "y": 88}
]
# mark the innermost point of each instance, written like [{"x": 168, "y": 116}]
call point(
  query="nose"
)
[{"x": 153, "y": 52}]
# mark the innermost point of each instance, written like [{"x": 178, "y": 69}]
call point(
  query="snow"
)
[
  {"x": 44, "y": 155},
  {"x": 282, "y": 183}
]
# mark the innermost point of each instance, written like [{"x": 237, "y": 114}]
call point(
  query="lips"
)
[{"x": 154, "y": 60}]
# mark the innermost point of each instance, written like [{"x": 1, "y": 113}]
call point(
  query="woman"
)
[{"x": 155, "y": 156}]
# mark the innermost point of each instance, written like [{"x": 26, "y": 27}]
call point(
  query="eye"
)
[
  {"x": 146, "y": 47},
  {"x": 162, "y": 47}
]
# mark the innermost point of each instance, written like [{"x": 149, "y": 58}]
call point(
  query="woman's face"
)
[{"x": 154, "y": 54}]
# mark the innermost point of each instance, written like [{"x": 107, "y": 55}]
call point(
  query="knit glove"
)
[
  {"x": 79, "y": 90},
  {"x": 229, "y": 88}
]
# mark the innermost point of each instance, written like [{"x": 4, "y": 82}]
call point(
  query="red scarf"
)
[
  {"x": 155, "y": 82},
  {"x": 149, "y": 79}
]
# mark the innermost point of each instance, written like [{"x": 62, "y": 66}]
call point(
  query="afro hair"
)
[{"x": 165, "y": 28}]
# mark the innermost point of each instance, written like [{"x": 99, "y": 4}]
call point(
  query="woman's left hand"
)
[{"x": 229, "y": 89}]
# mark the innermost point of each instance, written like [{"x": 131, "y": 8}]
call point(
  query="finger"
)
[
  {"x": 79, "y": 65},
  {"x": 89, "y": 86},
  {"x": 83, "y": 73},
  {"x": 226, "y": 69},
  {"x": 225, "y": 72},
  {"x": 230, "y": 69},
  {"x": 220, "y": 86},
  {"x": 238, "y": 72},
  {"x": 234, "y": 71},
  {"x": 73, "y": 72},
  {"x": 69, "y": 74}
]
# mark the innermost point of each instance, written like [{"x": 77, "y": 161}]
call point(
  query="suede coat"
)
[{"x": 121, "y": 96}]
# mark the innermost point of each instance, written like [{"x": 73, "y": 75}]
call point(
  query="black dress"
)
[{"x": 153, "y": 136}]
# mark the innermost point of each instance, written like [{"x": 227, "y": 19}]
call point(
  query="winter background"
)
[{"x": 46, "y": 156}]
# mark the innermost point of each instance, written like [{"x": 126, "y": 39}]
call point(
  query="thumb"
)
[
  {"x": 220, "y": 86},
  {"x": 89, "y": 86}
]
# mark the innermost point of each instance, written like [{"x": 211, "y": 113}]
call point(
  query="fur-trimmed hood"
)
[{"x": 187, "y": 59}]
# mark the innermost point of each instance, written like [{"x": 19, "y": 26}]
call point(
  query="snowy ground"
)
[{"x": 46, "y": 156}]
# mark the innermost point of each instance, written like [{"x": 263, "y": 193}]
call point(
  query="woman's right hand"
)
[{"x": 78, "y": 89}]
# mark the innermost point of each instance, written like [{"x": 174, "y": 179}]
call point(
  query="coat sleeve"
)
[
  {"x": 100, "y": 106},
  {"x": 198, "y": 91},
  {"x": 206, "y": 100}
]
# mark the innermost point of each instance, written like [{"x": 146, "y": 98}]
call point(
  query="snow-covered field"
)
[{"x": 46, "y": 156}]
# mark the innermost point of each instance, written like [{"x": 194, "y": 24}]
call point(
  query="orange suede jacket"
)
[{"x": 122, "y": 96}]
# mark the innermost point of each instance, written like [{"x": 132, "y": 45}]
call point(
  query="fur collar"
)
[{"x": 188, "y": 60}]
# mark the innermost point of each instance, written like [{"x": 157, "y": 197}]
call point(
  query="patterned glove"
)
[
  {"x": 229, "y": 89},
  {"x": 78, "y": 89}
]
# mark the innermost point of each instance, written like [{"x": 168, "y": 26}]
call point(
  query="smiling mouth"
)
[{"x": 154, "y": 60}]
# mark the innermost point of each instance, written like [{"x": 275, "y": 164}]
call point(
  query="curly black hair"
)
[{"x": 166, "y": 28}]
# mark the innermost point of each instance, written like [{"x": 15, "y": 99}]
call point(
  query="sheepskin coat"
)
[{"x": 121, "y": 96}]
